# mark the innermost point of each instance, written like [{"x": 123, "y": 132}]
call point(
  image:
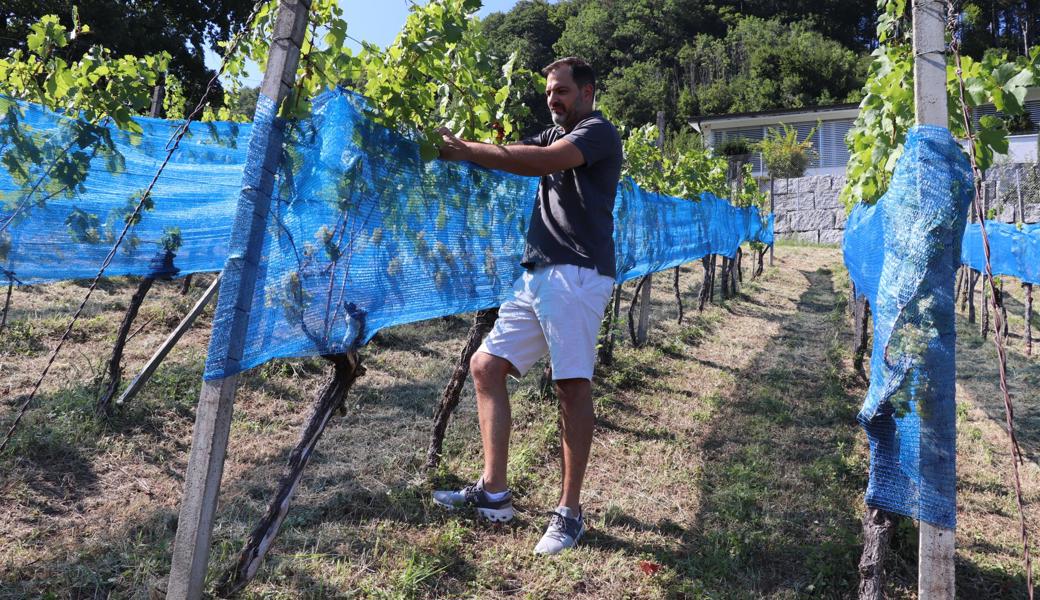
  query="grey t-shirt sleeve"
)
[
  {"x": 537, "y": 139},
  {"x": 595, "y": 139}
]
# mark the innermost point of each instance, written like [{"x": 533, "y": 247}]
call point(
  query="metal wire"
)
[
  {"x": 998, "y": 315},
  {"x": 171, "y": 147}
]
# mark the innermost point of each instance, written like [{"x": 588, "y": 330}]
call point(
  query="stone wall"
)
[{"x": 808, "y": 209}]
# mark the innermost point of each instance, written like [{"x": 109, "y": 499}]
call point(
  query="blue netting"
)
[
  {"x": 358, "y": 224},
  {"x": 66, "y": 187},
  {"x": 902, "y": 253},
  {"x": 1013, "y": 252}
]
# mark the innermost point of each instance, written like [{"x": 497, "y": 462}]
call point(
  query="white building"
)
[{"x": 832, "y": 123}]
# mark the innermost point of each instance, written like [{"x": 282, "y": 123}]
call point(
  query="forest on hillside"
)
[
  {"x": 707, "y": 57},
  {"x": 686, "y": 57}
]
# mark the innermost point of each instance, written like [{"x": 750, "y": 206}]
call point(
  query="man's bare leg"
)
[
  {"x": 493, "y": 412},
  {"x": 578, "y": 422}
]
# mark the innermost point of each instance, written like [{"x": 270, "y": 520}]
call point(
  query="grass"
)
[{"x": 727, "y": 461}]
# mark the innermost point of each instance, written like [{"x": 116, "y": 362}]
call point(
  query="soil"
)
[{"x": 727, "y": 461}]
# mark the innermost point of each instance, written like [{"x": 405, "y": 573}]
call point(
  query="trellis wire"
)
[
  {"x": 171, "y": 147},
  {"x": 996, "y": 300}
]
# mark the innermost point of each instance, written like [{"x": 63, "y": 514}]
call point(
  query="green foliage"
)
[
  {"x": 1020, "y": 123},
  {"x": 529, "y": 30},
  {"x": 439, "y": 72},
  {"x": 735, "y": 146},
  {"x": 762, "y": 64},
  {"x": 746, "y": 192},
  {"x": 886, "y": 113},
  {"x": 635, "y": 94},
  {"x": 887, "y": 110},
  {"x": 98, "y": 85},
  {"x": 685, "y": 169},
  {"x": 325, "y": 60},
  {"x": 784, "y": 155},
  {"x": 171, "y": 239},
  {"x": 183, "y": 30},
  {"x": 684, "y": 173},
  {"x": 101, "y": 89}
]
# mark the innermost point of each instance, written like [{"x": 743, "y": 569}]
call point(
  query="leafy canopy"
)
[{"x": 886, "y": 113}]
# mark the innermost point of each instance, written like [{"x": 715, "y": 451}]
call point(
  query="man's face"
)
[{"x": 567, "y": 103}]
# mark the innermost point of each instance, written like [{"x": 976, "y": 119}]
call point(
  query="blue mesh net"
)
[
  {"x": 66, "y": 187},
  {"x": 1014, "y": 251},
  {"x": 358, "y": 226},
  {"x": 902, "y": 254}
]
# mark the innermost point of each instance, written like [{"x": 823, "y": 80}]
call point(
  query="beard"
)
[
  {"x": 560, "y": 118},
  {"x": 568, "y": 117}
]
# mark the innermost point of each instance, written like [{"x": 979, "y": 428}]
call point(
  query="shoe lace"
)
[
  {"x": 557, "y": 529},
  {"x": 469, "y": 493}
]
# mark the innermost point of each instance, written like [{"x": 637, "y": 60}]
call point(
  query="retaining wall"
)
[{"x": 808, "y": 209}]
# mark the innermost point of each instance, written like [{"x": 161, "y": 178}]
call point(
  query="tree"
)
[
  {"x": 530, "y": 29},
  {"x": 763, "y": 64},
  {"x": 1011, "y": 25},
  {"x": 849, "y": 22},
  {"x": 635, "y": 94},
  {"x": 184, "y": 30}
]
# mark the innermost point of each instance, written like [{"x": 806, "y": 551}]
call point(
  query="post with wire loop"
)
[
  {"x": 213, "y": 415},
  {"x": 935, "y": 578}
]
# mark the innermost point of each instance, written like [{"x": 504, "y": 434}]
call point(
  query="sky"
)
[{"x": 376, "y": 22}]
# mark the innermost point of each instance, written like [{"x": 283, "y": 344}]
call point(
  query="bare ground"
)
[{"x": 727, "y": 462}]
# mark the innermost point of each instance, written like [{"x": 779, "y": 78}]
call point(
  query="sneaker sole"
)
[
  {"x": 562, "y": 550},
  {"x": 495, "y": 515}
]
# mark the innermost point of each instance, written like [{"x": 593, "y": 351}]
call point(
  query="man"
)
[{"x": 558, "y": 302}]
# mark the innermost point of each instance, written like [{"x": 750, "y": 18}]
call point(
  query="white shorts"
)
[{"x": 555, "y": 309}]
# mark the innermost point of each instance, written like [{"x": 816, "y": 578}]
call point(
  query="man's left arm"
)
[{"x": 520, "y": 159}]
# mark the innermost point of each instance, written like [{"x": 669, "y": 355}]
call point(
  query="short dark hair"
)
[{"x": 580, "y": 70}]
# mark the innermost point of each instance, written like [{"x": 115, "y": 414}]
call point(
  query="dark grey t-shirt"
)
[{"x": 573, "y": 218}]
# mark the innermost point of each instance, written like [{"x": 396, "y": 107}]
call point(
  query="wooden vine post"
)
[
  {"x": 213, "y": 415},
  {"x": 115, "y": 368},
  {"x": 1029, "y": 319},
  {"x": 772, "y": 211},
  {"x": 483, "y": 321},
  {"x": 860, "y": 331},
  {"x": 608, "y": 333},
  {"x": 644, "y": 296},
  {"x": 935, "y": 579},
  {"x": 171, "y": 341}
]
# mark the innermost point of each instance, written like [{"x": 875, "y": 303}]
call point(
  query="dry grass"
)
[{"x": 727, "y": 453}]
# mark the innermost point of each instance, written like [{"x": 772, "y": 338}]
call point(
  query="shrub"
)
[
  {"x": 783, "y": 154},
  {"x": 734, "y": 147}
]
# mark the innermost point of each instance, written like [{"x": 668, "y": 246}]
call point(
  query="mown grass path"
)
[{"x": 727, "y": 463}]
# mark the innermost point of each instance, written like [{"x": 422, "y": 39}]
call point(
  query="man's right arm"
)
[{"x": 520, "y": 159}]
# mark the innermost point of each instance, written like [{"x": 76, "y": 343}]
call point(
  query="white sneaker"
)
[
  {"x": 565, "y": 529},
  {"x": 496, "y": 511}
]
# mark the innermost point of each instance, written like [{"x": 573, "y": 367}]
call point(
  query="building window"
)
[
  {"x": 1032, "y": 109},
  {"x": 828, "y": 141},
  {"x": 833, "y": 152}
]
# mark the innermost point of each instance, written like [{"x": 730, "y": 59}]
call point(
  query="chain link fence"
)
[{"x": 1012, "y": 193}]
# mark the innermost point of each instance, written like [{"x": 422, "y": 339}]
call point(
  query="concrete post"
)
[
  {"x": 936, "y": 549},
  {"x": 213, "y": 416}
]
